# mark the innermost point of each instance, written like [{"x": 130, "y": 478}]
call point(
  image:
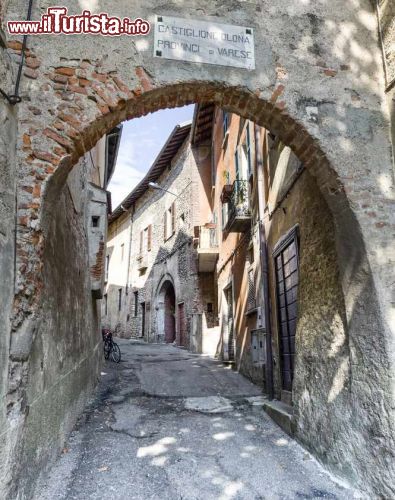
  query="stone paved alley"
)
[{"x": 145, "y": 436}]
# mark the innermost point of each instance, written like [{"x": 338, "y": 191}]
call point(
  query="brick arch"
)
[
  {"x": 69, "y": 102},
  {"x": 81, "y": 114},
  {"x": 84, "y": 113}
]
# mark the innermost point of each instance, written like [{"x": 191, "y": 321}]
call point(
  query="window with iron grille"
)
[{"x": 251, "y": 302}]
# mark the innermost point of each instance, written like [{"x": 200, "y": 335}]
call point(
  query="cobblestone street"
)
[{"x": 168, "y": 424}]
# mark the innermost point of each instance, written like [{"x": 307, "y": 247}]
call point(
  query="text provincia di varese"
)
[{"x": 194, "y": 47}]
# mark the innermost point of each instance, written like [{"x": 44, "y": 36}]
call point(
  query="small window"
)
[
  {"x": 224, "y": 215},
  {"x": 95, "y": 221},
  {"x": 119, "y": 299},
  {"x": 182, "y": 220},
  {"x": 213, "y": 167},
  {"x": 247, "y": 148},
  {"x": 209, "y": 307},
  {"x": 105, "y": 304},
  {"x": 225, "y": 122},
  {"x": 251, "y": 302},
  {"x": 107, "y": 267},
  {"x": 173, "y": 217},
  {"x": 149, "y": 238},
  {"x": 169, "y": 222},
  {"x": 136, "y": 303},
  {"x": 250, "y": 256}
]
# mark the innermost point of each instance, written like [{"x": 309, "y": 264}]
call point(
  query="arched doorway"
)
[
  {"x": 166, "y": 320},
  {"x": 63, "y": 121}
]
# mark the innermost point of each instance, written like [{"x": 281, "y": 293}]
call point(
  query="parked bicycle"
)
[{"x": 110, "y": 348}]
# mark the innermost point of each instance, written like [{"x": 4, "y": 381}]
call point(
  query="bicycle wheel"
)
[
  {"x": 115, "y": 353},
  {"x": 107, "y": 348}
]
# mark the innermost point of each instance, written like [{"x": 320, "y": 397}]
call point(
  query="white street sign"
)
[{"x": 204, "y": 42}]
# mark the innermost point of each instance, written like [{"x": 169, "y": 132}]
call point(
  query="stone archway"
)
[
  {"x": 335, "y": 124},
  {"x": 56, "y": 160},
  {"x": 166, "y": 320}
]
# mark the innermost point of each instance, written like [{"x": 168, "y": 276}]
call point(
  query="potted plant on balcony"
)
[{"x": 227, "y": 188}]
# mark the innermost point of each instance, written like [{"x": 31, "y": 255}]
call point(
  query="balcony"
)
[
  {"x": 142, "y": 261},
  {"x": 239, "y": 210},
  {"x": 207, "y": 248}
]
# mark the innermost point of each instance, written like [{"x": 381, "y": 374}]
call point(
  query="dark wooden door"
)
[
  {"x": 181, "y": 325},
  {"x": 142, "y": 319},
  {"x": 231, "y": 339},
  {"x": 287, "y": 280}
]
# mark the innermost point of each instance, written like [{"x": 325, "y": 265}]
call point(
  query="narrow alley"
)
[{"x": 168, "y": 424}]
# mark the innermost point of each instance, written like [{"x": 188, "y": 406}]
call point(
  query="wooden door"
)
[
  {"x": 287, "y": 280},
  {"x": 231, "y": 339},
  {"x": 142, "y": 319},
  {"x": 181, "y": 325}
]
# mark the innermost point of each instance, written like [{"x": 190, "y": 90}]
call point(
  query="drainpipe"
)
[{"x": 264, "y": 261}]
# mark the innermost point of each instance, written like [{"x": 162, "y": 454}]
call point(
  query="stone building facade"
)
[
  {"x": 156, "y": 286},
  {"x": 319, "y": 86},
  {"x": 301, "y": 356}
]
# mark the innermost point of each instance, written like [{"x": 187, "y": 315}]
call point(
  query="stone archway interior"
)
[{"x": 166, "y": 312}]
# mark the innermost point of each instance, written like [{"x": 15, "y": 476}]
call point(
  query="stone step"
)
[{"x": 281, "y": 413}]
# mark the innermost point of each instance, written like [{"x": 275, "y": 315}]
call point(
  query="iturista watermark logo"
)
[{"x": 57, "y": 22}]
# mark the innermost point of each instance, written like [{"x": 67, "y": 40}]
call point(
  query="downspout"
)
[{"x": 264, "y": 261}]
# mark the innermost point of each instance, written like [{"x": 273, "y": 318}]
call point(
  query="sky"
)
[{"x": 141, "y": 141}]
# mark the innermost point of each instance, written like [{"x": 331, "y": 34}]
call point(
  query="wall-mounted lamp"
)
[{"x": 156, "y": 186}]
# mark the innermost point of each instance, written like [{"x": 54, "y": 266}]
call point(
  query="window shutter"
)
[
  {"x": 237, "y": 164},
  {"x": 141, "y": 241},
  {"x": 249, "y": 150},
  {"x": 165, "y": 226},
  {"x": 149, "y": 243},
  {"x": 173, "y": 217}
]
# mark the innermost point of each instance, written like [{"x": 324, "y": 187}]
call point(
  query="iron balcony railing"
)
[{"x": 239, "y": 201}]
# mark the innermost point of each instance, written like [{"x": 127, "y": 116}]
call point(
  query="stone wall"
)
[
  {"x": 322, "y": 387},
  {"x": 176, "y": 257},
  {"x": 8, "y": 132},
  {"x": 386, "y": 13},
  {"x": 118, "y": 262},
  {"x": 65, "y": 347}
]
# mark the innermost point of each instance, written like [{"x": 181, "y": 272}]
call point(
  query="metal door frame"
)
[{"x": 292, "y": 235}]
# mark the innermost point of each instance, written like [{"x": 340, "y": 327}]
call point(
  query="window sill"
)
[
  {"x": 251, "y": 312},
  {"x": 169, "y": 238}
]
